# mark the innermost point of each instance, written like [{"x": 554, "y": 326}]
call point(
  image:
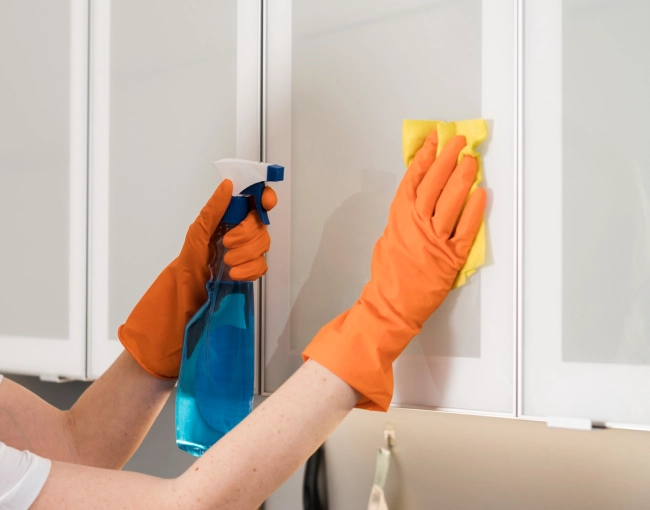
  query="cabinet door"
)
[
  {"x": 341, "y": 78},
  {"x": 43, "y": 134},
  {"x": 174, "y": 88},
  {"x": 586, "y": 286}
]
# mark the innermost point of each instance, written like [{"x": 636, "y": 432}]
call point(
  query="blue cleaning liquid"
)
[{"x": 215, "y": 385}]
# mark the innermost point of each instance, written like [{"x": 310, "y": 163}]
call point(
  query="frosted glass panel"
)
[
  {"x": 34, "y": 168},
  {"x": 586, "y": 271},
  {"x": 172, "y": 112},
  {"x": 606, "y": 182},
  {"x": 341, "y": 78},
  {"x": 357, "y": 73}
]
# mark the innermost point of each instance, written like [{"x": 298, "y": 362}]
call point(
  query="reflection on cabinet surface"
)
[
  {"x": 586, "y": 340},
  {"x": 43, "y": 57},
  {"x": 339, "y": 85}
]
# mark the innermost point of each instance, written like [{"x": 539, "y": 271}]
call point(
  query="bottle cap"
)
[{"x": 237, "y": 211}]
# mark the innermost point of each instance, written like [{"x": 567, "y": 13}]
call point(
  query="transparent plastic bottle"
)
[{"x": 215, "y": 385}]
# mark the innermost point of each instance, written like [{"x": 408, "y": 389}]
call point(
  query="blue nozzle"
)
[{"x": 274, "y": 173}]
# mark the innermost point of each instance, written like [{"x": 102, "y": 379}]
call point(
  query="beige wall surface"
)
[
  {"x": 452, "y": 462},
  {"x": 442, "y": 461}
]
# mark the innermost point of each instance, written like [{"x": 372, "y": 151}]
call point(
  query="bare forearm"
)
[
  {"x": 262, "y": 452},
  {"x": 75, "y": 487},
  {"x": 111, "y": 418},
  {"x": 103, "y": 428},
  {"x": 27, "y": 422},
  {"x": 239, "y": 472}
]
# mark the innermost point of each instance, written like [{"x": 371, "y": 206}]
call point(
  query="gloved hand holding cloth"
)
[
  {"x": 153, "y": 333},
  {"x": 431, "y": 226}
]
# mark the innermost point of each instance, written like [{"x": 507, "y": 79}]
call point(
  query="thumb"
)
[{"x": 213, "y": 210}]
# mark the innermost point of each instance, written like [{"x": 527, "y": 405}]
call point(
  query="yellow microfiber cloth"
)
[{"x": 475, "y": 131}]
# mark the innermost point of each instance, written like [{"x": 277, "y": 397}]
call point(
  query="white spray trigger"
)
[
  {"x": 241, "y": 172},
  {"x": 249, "y": 177}
]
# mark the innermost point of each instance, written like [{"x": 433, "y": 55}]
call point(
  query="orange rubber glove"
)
[
  {"x": 414, "y": 265},
  {"x": 153, "y": 333}
]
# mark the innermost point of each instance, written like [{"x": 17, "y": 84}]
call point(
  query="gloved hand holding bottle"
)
[
  {"x": 431, "y": 227},
  {"x": 153, "y": 332}
]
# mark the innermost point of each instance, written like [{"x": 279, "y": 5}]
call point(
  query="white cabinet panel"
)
[
  {"x": 341, "y": 77},
  {"x": 174, "y": 87},
  {"x": 43, "y": 134},
  {"x": 586, "y": 269}
]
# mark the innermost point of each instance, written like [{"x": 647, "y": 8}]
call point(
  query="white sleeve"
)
[{"x": 22, "y": 476}]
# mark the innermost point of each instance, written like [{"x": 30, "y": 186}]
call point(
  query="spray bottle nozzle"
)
[
  {"x": 274, "y": 173},
  {"x": 248, "y": 178}
]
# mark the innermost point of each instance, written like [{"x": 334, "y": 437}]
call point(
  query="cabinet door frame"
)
[
  {"x": 104, "y": 346},
  {"x": 503, "y": 31},
  {"x": 50, "y": 358},
  {"x": 541, "y": 118}
]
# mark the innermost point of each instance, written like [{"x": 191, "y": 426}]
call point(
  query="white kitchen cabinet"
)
[
  {"x": 173, "y": 88},
  {"x": 586, "y": 230},
  {"x": 43, "y": 111},
  {"x": 112, "y": 111},
  {"x": 126, "y": 142},
  {"x": 341, "y": 77}
]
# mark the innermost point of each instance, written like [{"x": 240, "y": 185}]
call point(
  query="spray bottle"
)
[{"x": 215, "y": 385}]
